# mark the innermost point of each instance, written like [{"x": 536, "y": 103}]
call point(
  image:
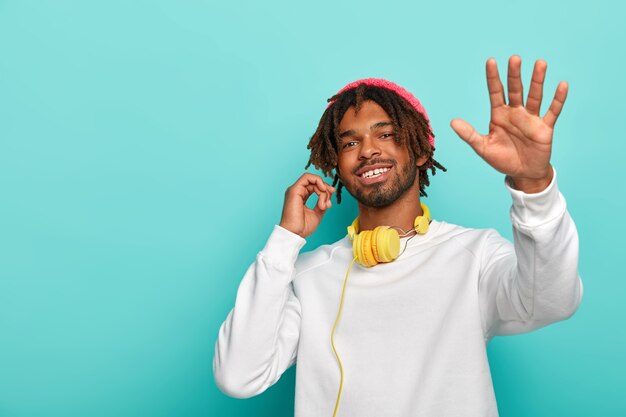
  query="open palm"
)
[{"x": 519, "y": 142}]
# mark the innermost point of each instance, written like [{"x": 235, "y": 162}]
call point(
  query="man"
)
[{"x": 409, "y": 324}]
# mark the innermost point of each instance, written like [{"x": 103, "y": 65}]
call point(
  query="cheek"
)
[
  {"x": 343, "y": 167},
  {"x": 345, "y": 177}
]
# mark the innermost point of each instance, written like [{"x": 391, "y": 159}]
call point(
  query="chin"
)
[{"x": 377, "y": 198}]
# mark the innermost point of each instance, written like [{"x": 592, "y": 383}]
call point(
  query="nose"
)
[{"x": 369, "y": 148}]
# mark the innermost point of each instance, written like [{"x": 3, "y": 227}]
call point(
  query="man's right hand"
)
[{"x": 297, "y": 217}]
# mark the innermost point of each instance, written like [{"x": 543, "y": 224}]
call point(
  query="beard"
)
[{"x": 383, "y": 194}]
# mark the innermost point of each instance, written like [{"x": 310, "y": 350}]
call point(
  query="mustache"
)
[{"x": 373, "y": 162}]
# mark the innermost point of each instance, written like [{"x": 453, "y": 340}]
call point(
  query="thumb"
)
[{"x": 468, "y": 134}]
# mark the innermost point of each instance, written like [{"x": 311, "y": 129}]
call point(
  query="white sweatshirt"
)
[{"x": 413, "y": 333}]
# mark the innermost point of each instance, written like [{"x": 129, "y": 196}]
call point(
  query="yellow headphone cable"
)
[
  {"x": 332, "y": 336},
  {"x": 332, "y": 333}
]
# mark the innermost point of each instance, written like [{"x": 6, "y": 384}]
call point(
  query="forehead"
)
[{"x": 369, "y": 113}]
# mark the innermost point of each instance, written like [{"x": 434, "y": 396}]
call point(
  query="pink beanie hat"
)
[{"x": 379, "y": 82}]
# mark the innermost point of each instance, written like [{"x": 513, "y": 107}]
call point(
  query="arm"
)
[
  {"x": 259, "y": 339},
  {"x": 536, "y": 281}
]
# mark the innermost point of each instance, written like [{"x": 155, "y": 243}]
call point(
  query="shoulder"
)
[
  {"x": 445, "y": 230},
  {"x": 471, "y": 239},
  {"x": 322, "y": 255}
]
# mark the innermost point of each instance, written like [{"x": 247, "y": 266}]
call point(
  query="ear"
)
[{"x": 421, "y": 160}]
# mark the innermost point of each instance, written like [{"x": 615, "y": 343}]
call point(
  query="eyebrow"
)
[{"x": 372, "y": 127}]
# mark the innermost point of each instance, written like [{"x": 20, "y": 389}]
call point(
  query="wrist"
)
[
  {"x": 532, "y": 185},
  {"x": 290, "y": 227}
]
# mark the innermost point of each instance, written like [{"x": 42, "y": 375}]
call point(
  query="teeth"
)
[{"x": 374, "y": 173}]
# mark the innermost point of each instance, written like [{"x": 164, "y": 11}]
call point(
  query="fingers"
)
[
  {"x": 514, "y": 82},
  {"x": 535, "y": 93},
  {"x": 319, "y": 211},
  {"x": 311, "y": 179},
  {"x": 296, "y": 216},
  {"x": 557, "y": 104},
  {"x": 309, "y": 184},
  {"x": 468, "y": 134},
  {"x": 324, "y": 196},
  {"x": 494, "y": 85}
]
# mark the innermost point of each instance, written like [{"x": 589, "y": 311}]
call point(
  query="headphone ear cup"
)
[
  {"x": 375, "y": 234},
  {"x": 371, "y": 247},
  {"x": 368, "y": 255},
  {"x": 421, "y": 224},
  {"x": 387, "y": 246},
  {"x": 362, "y": 249}
]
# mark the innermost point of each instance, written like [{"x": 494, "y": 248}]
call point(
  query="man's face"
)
[{"x": 372, "y": 166}]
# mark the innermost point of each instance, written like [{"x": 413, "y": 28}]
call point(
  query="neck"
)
[{"x": 401, "y": 213}]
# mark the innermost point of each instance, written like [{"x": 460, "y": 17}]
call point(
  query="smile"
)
[
  {"x": 373, "y": 175},
  {"x": 374, "y": 172}
]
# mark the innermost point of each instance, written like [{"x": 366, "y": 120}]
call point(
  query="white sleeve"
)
[
  {"x": 259, "y": 339},
  {"x": 535, "y": 281}
]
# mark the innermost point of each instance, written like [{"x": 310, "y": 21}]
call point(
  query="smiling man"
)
[{"x": 404, "y": 331}]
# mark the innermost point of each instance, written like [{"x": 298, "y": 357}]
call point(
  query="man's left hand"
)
[{"x": 519, "y": 142}]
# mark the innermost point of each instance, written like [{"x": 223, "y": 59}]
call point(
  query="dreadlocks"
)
[{"x": 412, "y": 128}]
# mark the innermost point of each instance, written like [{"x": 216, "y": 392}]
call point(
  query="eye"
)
[
  {"x": 349, "y": 144},
  {"x": 386, "y": 135}
]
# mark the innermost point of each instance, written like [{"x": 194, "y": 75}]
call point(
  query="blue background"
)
[{"x": 145, "y": 147}]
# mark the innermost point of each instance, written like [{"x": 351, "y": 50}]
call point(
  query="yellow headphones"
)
[{"x": 382, "y": 244}]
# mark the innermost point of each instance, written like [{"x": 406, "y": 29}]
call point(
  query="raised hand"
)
[
  {"x": 519, "y": 143},
  {"x": 297, "y": 217}
]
